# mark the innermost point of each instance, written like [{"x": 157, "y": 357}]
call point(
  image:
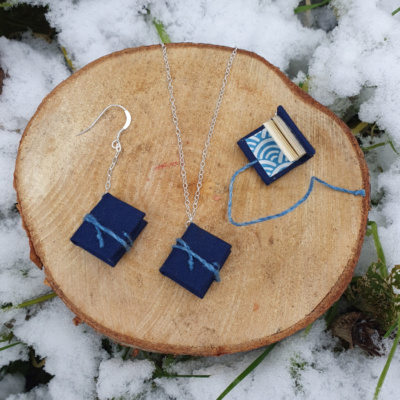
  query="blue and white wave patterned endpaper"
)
[{"x": 267, "y": 152}]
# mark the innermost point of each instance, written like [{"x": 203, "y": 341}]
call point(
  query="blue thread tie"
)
[
  {"x": 290, "y": 209},
  {"x": 214, "y": 267},
  {"x": 92, "y": 220}
]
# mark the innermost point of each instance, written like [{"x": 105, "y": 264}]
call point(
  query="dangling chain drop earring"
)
[{"x": 110, "y": 229}]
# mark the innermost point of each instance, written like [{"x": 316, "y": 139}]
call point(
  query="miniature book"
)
[
  {"x": 110, "y": 229},
  {"x": 196, "y": 259},
  {"x": 278, "y": 146}
]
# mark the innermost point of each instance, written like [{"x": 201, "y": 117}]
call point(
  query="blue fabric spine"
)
[
  {"x": 122, "y": 222},
  {"x": 243, "y": 144},
  {"x": 197, "y": 278}
]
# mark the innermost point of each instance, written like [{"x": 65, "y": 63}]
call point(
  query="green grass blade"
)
[
  {"x": 7, "y": 338},
  {"x": 161, "y": 31},
  {"x": 5, "y": 5},
  {"x": 396, "y": 11},
  {"x": 187, "y": 376},
  {"x": 374, "y": 146},
  {"x": 301, "y": 9},
  {"x": 127, "y": 353},
  {"x": 391, "y": 143},
  {"x": 38, "y": 300},
  {"x": 390, "y": 330},
  {"x": 331, "y": 314},
  {"x": 247, "y": 371},
  {"x": 68, "y": 59},
  {"x": 308, "y": 329},
  {"x": 32, "y": 302},
  {"x": 379, "y": 249},
  {"x": 160, "y": 373},
  {"x": 10, "y": 345},
  {"x": 388, "y": 362},
  {"x": 359, "y": 127}
]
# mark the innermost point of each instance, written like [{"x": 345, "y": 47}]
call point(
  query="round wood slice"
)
[{"x": 281, "y": 274}]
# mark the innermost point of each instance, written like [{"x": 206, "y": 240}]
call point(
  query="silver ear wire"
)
[
  {"x": 127, "y": 123},
  {"x": 116, "y": 144}
]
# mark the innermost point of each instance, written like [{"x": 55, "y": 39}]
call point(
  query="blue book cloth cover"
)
[
  {"x": 271, "y": 162},
  {"x": 110, "y": 229},
  {"x": 208, "y": 247}
]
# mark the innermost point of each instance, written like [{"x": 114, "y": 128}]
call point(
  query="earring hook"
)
[
  {"x": 127, "y": 122},
  {"x": 115, "y": 144}
]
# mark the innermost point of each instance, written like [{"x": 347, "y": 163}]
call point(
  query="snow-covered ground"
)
[{"x": 353, "y": 64}]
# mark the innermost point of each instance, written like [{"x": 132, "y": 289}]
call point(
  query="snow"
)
[
  {"x": 38, "y": 393},
  {"x": 268, "y": 28},
  {"x": 72, "y": 353},
  {"x": 10, "y": 384},
  {"x": 123, "y": 378},
  {"x": 33, "y": 68},
  {"x": 324, "y": 373},
  {"x": 351, "y": 63}
]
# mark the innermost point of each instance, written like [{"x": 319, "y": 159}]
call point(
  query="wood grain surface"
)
[{"x": 281, "y": 274}]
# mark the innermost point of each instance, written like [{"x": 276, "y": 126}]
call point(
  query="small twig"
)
[
  {"x": 307, "y": 16},
  {"x": 372, "y": 130}
]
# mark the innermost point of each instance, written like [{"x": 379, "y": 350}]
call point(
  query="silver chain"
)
[
  {"x": 191, "y": 213},
  {"x": 116, "y": 144}
]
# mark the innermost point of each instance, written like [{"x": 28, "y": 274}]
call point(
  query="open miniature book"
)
[{"x": 278, "y": 146}]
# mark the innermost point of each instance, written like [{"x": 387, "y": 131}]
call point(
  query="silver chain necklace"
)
[{"x": 191, "y": 213}]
